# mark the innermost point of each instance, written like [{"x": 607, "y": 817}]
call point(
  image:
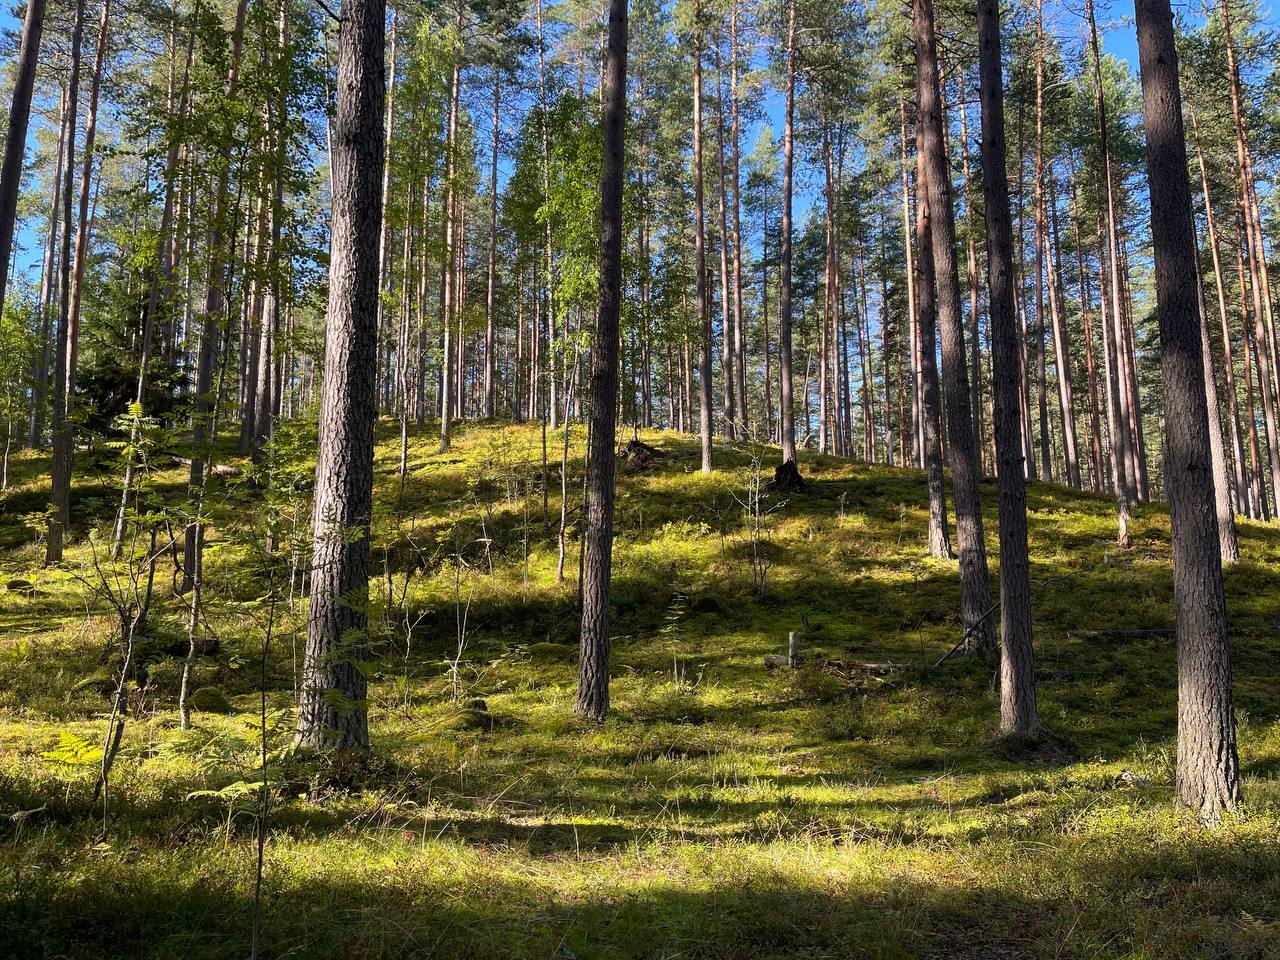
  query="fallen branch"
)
[
  {"x": 221, "y": 469},
  {"x": 967, "y": 634}
]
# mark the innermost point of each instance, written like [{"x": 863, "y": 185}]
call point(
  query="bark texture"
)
[
  {"x": 593, "y": 663},
  {"x": 1018, "y": 714},
  {"x": 1208, "y": 770},
  {"x": 332, "y": 711},
  {"x": 975, "y": 585}
]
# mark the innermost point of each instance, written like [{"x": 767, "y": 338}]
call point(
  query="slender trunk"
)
[
  {"x": 448, "y": 271},
  {"x": 699, "y": 250},
  {"x": 1061, "y": 344},
  {"x": 16, "y": 141},
  {"x": 1233, "y": 402},
  {"x": 935, "y": 194},
  {"x": 926, "y": 312},
  {"x": 735, "y": 148},
  {"x": 490, "y": 385},
  {"x": 975, "y": 344},
  {"x": 384, "y": 239},
  {"x": 1121, "y": 438},
  {"x": 1018, "y": 714},
  {"x": 593, "y": 663},
  {"x": 1208, "y": 769},
  {"x": 332, "y": 712},
  {"x": 786, "y": 420},
  {"x": 214, "y": 305},
  {"x": 64, "y": 366},
  {"x": 1041, "y": 258},
  {"x": 49, "y": 285}
]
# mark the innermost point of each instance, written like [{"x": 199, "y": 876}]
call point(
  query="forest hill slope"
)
[{"x": 724, "y": 810}]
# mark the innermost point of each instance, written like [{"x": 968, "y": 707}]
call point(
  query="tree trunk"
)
[
  {"x": 1042, "y": 387},
  {"x": 786, "y": 419},
  {"x": 49, "y": 285},
  {"x": 975, "y": 345},
  {"x": 593, "y": 663},
  {"x": 1233, "y": 403},
  {"x": 1228, "y": 546},
  {"x": 1208, "y": 774},
  {"x": 490, "y": 384},
  {"x": 926, "y": 313},
  {"x": 935, "y": 186},
  {"x": 699, "y": 250},
  {"x": 15, "y": 144},
  {"x": 448, "y": 270},
  {"x": 332, "y": 712},
  {"x": 215, "y": 301},
  {"x": 1018, "y": 714},
  {"x": 64, "y": 365},
  {"x": 739, "y": 319},
  {"x": 727, "y": 355},
  {"x": 1062, "y": 345}
]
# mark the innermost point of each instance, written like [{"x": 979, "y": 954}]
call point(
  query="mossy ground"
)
[{"x": 722, "y": 810}]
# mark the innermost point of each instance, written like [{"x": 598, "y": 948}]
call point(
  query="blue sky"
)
[{"x": 1118, "y": 39}]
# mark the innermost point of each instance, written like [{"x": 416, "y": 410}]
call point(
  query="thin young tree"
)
[
  {"x": 787, "y": 474},
  {"x": 331, "y": 710},
  {"x": 1018, "y": 714},
  {"x": 65, "y": 361},
  {"x": 931, "y": 415},
  {"x": 593, "y": 664},
  {"x": 1208, "y": 769},
  {"x": 706, "y": 413}
]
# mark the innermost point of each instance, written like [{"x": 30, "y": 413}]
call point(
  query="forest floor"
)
[{"x": 724, "y": 810}]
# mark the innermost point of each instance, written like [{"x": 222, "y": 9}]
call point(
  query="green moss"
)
[{"x": 722, "y": 810}]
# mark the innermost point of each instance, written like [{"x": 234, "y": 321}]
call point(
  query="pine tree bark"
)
[
  {"x": 706, "y": 413},
  {"x": 332, "y": 712},
  {"x": 1228, "y": 546},
  {"x": 593, "y": 663},
  {"x": 1122, "y": 439},
  {"x": 735, "y": 146},
  {"x": 1018, "y": 714},
  {"x": 935, "y": 191},
  {"x": 786, "y": 413},
  {"x": 64, "y": 363},
  {"x": 1229, "y": 376},
  {"x": 49, "y": 286},
  {"x": 1042, "y": 386},
  {"x": 727, "y": 355},
  {"x": 213, "y": 307},
  {"x": 1208, "y": 775},
  {"x": 15, "y": 144},
  {"x": 490, "y": 344},
  {"x": 448, "y": 267},
  {"x": 926, "y": 312}
]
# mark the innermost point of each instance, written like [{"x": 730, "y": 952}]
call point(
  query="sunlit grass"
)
[{"x": 724, "y": 810}]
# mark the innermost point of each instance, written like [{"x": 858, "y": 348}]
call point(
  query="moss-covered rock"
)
[
  {"x": 547, "y": 652},
  {"x": 209, "y": 700}
]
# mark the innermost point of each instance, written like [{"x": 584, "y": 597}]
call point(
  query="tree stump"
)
[{"x": 786, "y": 478}]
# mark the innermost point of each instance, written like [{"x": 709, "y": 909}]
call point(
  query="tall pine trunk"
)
[
  {"x": 706, "y": 413},
  {"x": 15, "y": 144},
  {"x": 1018, "y": 714},
  {"x": 64, "y": 363},
  {"x": 975, "y": 586},
  {"x": 1208, "y": 774},
  {"x": 332, "y": 712},
  {"x": 593, "y": 664},
  {"x": 786, "y": 413}
]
